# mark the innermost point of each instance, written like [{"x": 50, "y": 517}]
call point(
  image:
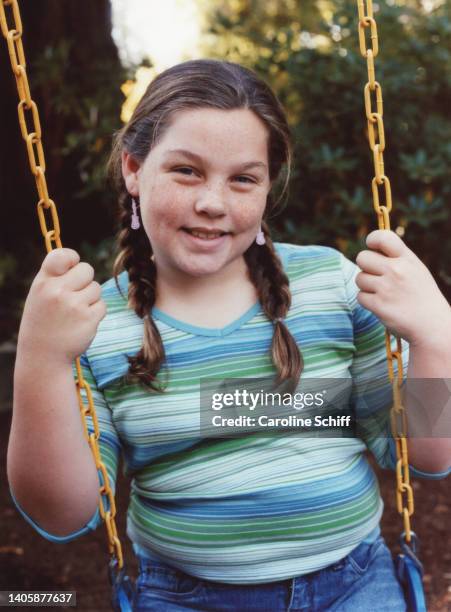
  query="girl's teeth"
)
[{"x": 205, "y": 236}]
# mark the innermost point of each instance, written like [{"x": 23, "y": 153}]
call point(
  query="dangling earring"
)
[
  {"x": 260, "y": 237},
  {"x": 135, "y": 219}
]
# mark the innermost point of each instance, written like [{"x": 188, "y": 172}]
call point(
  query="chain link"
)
[
  {"x": 376, "y": 137},
  {"x": 33, "y": 140}
]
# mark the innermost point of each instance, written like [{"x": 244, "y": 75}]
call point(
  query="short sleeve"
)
[
  {"x": 372, "y": 390},
  {"x": 109, "y": 448}
]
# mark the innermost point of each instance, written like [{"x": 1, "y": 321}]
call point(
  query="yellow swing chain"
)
[
  {"x": 373, "y": 90},
  {"x": 36, "y": 157}
]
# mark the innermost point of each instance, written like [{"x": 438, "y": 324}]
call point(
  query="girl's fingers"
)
[
  {"x": 371, "y": 262},
  {"x": 90, "y": 294},
  {"x": 387, "y": 242},
  {"x": 367, "y": 282}
]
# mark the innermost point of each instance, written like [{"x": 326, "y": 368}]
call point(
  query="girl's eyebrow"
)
[{"x": 198, "y": 159}]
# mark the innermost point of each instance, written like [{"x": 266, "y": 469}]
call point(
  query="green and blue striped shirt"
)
[{"x": 255, "y": 508}]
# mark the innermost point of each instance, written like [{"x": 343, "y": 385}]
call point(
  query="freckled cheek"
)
[
  {"x": 246, "y": 215},
  {"x": 163, "y": 212}
]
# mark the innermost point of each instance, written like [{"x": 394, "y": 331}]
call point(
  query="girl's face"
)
[{"x": 210, "y": 172}]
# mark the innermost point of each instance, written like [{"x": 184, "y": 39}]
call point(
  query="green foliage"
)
[
  {"x": 86, "y": 108},
  {"x": 309, "y": 53}
]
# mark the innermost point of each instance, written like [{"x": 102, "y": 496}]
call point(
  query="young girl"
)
[{"x": 254, "y": 522}]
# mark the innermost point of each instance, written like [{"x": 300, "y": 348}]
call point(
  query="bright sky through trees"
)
[{"x": 165, "y": 31}]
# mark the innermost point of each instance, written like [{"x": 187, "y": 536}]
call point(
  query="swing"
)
[{"x": 408, "y": 567}]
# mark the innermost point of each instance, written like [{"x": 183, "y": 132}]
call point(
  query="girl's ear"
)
[{"x": 130, "y": 170}]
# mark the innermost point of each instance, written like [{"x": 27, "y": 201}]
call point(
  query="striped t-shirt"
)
[{"x": 254, "y": 508}]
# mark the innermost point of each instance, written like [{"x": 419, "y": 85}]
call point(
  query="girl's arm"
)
[
  {"x": 427, "y": 393},
  {"x": 51, "y": 469}
]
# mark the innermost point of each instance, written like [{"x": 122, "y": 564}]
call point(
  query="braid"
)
[
  {"x": 135, "y": 257},
  {"x": 272, "y": 284}
]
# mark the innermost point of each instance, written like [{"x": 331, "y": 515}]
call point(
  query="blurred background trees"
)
[{"x": 308, "y": 52}]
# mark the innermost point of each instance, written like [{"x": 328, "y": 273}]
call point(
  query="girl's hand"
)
[
  {"x": 63, "y": 309},
  {"x": 399, "y": 289}
]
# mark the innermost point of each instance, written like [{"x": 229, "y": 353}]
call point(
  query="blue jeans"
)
[{"x": 363, "y": 580}]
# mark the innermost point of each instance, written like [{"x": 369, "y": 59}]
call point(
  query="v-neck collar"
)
[{"x": 207, "y": 331}]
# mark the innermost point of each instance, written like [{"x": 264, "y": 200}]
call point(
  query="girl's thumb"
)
[{"x": 59, "y": 261}]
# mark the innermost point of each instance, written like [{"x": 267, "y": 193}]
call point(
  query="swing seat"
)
[
  {"x": 123, "y": 589},
  {"x": 410, "y": 573}
]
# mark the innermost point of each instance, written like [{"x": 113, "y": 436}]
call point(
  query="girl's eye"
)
[
  {"x": 182, "y": 169},
  {"x": 247, "y": 179},
  {"x": 186, "y": 171}
]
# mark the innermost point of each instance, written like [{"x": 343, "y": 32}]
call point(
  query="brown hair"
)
[{"x": 197, "y": 84}]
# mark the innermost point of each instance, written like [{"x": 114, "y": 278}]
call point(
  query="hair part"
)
[{"x": 201, "y": 84}]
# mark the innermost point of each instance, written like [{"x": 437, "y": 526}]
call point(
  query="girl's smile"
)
[{"x": 203, "y": 240}]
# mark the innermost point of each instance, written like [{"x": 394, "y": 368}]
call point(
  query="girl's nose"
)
[{"x": 211, "y": 201}]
